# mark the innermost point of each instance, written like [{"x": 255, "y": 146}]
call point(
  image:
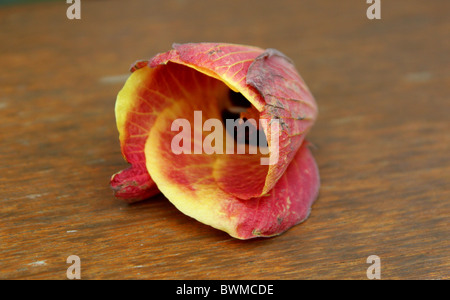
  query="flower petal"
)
[
  {"x": 133, "y": 184},
  {"x": 193, "y": 190},
  {"x": 289, "y": 100}
]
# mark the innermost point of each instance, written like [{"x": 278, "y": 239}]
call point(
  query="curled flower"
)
[{"x": 220, "y": 130}]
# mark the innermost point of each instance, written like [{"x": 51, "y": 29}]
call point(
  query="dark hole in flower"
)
[
  {"x": 244, "y": 131},
  {"x": 237, "y": 99}
]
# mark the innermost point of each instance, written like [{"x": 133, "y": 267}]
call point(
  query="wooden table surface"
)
[{"x": 382, "y": 140}]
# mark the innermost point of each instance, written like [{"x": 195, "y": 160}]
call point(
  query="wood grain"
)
[{"x": 381, "y": 141}]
